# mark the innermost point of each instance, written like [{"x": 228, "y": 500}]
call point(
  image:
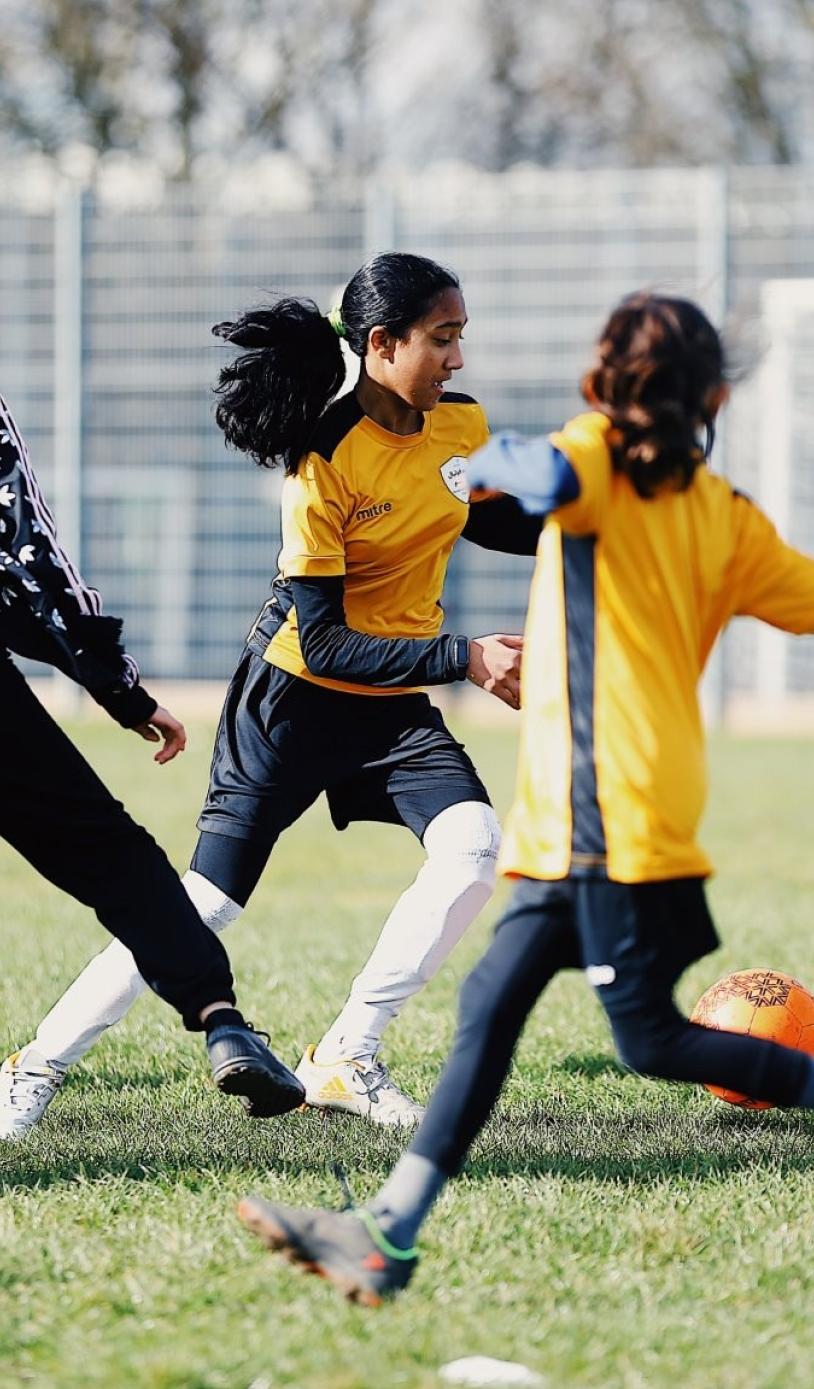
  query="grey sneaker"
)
[{"x": 346, "y": 1247}]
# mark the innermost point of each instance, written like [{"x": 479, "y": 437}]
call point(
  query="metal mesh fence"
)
[{"x": 181, "y": 536}]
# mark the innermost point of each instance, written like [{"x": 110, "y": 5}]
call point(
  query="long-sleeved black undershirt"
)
[
  {"x": 501, "y": 523},
  {"x": 333, "y": 650}
]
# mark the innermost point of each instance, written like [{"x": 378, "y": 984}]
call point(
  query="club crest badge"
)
[{"x": 454, "y": 474}]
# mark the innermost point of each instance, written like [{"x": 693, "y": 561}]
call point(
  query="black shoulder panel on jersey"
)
[
  {"x": 455, "y": 398},
  {"x": 337, "y": 421},
  {"x": 744, "y": 496}
]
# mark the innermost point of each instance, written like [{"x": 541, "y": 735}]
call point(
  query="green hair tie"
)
[{"x": 334, "y": 317}]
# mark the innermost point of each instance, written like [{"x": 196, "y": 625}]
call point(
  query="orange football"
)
[{"x": 765, "y": 1004}]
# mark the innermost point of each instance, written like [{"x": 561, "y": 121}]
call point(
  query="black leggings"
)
[
  {"x": 57, "y": 813},
  {"x": 537, "y": 936}
]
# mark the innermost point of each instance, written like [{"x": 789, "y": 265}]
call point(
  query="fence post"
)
[
  {"x": 380, "y": 217},
  {"x": 67, "y": 485},
  {"x": 713, "y": 281},
  {"x": 779, "y": 299}
]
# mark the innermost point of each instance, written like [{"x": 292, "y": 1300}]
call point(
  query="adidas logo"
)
[{"x": 333, "y": 1089}]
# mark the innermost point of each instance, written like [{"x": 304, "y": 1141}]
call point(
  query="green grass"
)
[{"x": 608, "y": 1231}]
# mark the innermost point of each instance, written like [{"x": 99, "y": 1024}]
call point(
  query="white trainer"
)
[
  {"x": 364, "y": 1087},
  {"x": 28, "y": 1084}
]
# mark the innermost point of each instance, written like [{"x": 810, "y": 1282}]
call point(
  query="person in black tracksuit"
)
[{"x": 58, "y": 814}]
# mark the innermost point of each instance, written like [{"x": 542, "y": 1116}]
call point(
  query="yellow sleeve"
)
[
  {"x": 583, "y": 442},
  {"x": 769, "y": 580},
  {"x": 315, "y": 512}
]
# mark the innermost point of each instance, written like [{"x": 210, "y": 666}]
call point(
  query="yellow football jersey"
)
[
  {"x": 384, "y": 511},
  {"x": 627, "y": 599}
]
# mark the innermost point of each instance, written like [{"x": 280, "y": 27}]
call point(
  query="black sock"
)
[{"x": 223, "y": 1017}]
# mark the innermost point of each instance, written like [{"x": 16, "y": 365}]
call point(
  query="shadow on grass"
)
[
  {"x": 37, "y": 1172},
  {"x": 592, "y": 1066},
  {"x": 158, "y": 1077},
  {"x": 150, "y": 1137},
  {"x": 145, "y": 1143},
  {"x": 641, "y": 1148},
  {"x": 617, "y": 1152}
]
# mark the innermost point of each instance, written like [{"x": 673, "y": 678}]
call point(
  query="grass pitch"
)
[{"x": 608, "y": 1231}]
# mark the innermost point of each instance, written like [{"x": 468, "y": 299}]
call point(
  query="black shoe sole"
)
[
  {"x": 275, "y": 1236},
  {"x": 261, "y": 1094}
]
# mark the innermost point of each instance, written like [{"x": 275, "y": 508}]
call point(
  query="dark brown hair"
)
[
  {"x": 659, "y": 365},
  {"x": 271, "y": 396}
]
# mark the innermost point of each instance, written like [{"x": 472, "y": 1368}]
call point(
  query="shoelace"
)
[
  {"x": 22, "y": 1086},
  {"x": 259, "y": 1033},
  {"x": 344, "y": 1185},
  {"x": 374, "y": 1079}
]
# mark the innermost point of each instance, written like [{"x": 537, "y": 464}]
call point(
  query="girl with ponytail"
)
[
  {"x": 644, "y": 557},
  {"x": 328, "y": 693}
]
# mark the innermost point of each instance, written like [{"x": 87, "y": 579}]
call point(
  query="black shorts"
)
[
  {"x": 282, "y": 740},
  {"x": 634, "y": 940}
]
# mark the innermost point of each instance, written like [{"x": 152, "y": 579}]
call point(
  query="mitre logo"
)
[
  {"x": 369, "y": 513},
  {"x": 454, "y": 474}
]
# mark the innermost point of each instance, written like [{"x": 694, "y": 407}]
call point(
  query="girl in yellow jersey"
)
[
  {"x": 327, "y": 696},
  {"x": 644, "y": 557}
]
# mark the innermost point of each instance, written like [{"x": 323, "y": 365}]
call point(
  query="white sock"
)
[
  {"x": 454, "y": 884},
  {"x": 101, "y": 995}
]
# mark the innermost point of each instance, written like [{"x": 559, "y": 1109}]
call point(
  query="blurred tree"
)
[
  {"x": 346, "y": 87},
  {"x": 651, "y": 81},
  {"x": 62, "y": 67},
  {"x": 183, "y": 28}
]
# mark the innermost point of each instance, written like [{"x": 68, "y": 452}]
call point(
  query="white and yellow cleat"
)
[
  {"x": 363, "y": 1087},
  {"x": 28, "y": 1084}
]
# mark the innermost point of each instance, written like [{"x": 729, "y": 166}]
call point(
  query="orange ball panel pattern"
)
[{"x": 763, "y": 1004}]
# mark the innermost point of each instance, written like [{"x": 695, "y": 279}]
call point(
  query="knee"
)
[
  {"x": 215, "y": 909},
  {"x": 465, "y": 837}
]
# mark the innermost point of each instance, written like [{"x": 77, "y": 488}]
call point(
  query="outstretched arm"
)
[
  {"x": 768, "y": 578},
  {"x": 533, "y": 470},
  {"x": 333, "y": 650}
]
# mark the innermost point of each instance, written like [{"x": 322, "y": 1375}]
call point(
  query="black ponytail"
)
[{"x": 273, "y": 394}]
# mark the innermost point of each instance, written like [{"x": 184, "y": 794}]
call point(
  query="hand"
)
[
  {"x": 494, "y": 664},
  {"x": 162, "y": 725}
]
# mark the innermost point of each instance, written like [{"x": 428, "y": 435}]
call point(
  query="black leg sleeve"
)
[
  {"x": 659, "y": 1041},
  {"x": 233, "y": 865},
  {"x": 643, "y": 936},
  {"x": 533, "y": 941},
  {"x": 58, "y": 814}
]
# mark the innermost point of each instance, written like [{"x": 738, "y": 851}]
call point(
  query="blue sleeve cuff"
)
[{"x": 532, "y": 470}]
